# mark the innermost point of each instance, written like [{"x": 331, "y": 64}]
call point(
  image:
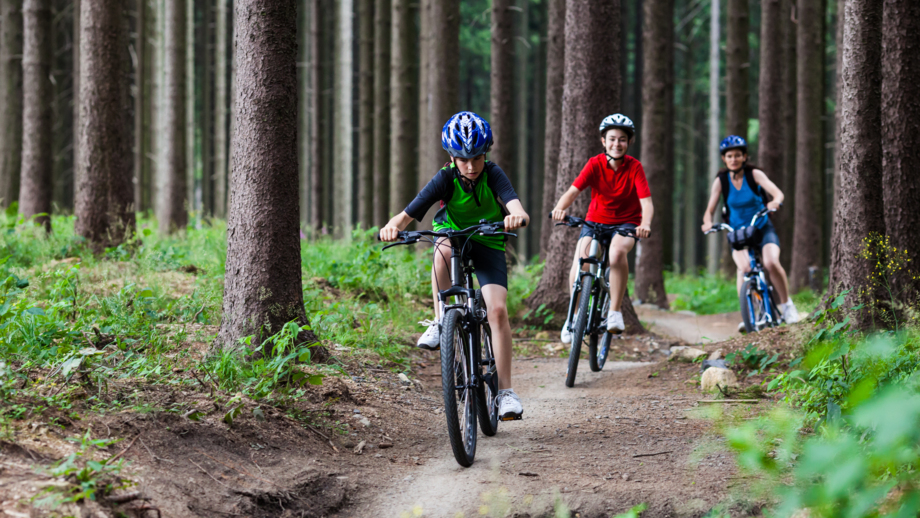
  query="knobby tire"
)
[
  {"x": 581, "y": 324},
  {"x": 486, "y": 392},
  {"x": 597, "y": 357},
  {"x": 460, "y": 411},
  {"x": 751, "y": 302}
]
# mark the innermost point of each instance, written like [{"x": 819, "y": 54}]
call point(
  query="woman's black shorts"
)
[{"x": 490, "y": 264}]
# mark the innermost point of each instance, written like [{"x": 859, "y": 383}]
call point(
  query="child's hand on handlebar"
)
[
  {"x": 643, "y": 231},
  {"x": 558, "y": 214},
  {"x": 774, "y": 206},
  {"x": 707, "y": 227},
  {"x": 389, "y": 233},
  {"x": 514, "y": 221}
]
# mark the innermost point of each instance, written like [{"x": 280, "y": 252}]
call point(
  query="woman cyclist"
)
[{"x": 743, "y": 200}]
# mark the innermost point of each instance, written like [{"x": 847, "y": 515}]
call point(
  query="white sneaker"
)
[
  {"x": 790, "y": 313},
  {"x": 741, "y": 328},
  {"x": 509, "y": 405},
  {"x": 431, "y": 339},
  {"x": 566, "y": 335},
  {"x": 615, "y": 322}
]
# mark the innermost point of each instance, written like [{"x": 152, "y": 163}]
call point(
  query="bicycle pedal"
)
[{"x": 511, "y": 417}]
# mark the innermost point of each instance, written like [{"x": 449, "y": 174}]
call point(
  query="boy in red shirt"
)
[{"x": 619, "y": 196}]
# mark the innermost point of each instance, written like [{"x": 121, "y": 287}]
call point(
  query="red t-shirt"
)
[{"x": 614, "y": 194}]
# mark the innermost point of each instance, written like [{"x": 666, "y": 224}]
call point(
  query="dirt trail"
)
[{"x": 689, "y": 327}]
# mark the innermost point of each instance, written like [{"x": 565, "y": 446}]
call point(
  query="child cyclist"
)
[
  {"x": 619, "y": 196},
  {"x": 469, "y": 188}
]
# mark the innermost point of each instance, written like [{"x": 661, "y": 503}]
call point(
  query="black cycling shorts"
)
[
  {"x": 490, "y": 264},
  {"x": 588, "y": 231}
]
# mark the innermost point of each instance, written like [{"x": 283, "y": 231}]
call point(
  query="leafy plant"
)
[
  {"x": 88, "y": 478},
  {"x": 752, "y": 358}
]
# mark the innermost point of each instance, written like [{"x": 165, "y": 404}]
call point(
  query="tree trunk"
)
[
  {"x": 262, "y": 286},
  {"x": 520, "y": 168},
  {"x": 737, "y": 68},
  {"x": 62, "y": 111},
  {"x": 555, "y": 70},
  {"x": 537, "y": 169},
  {"x": 365, "y": 112},
  {"x": 638, "y": 76},
  {"x": 404, "y": 116},
  {"x": 424, "y": 95},
  {"x": 221, "y": 59},
  {"x": 104, "y": 193},
  {"x": 10, "y": 99},
  {"x": 809, "y": 195},
  {"x": 140, "y": 77},
  {"x": 657, "y": 143},
  {"x": 171, "y": 187},
  {"x": 382, "y": 125},
  {"x": 317, "y": 146},
  {"x": 502, "y": 109},
  {"x": 786, "y": 221},
  {"x": 591, "y": 91},
  {"x": 714, "y": 240},
  {"x": 192, "y": 190},
  {"x": 770, "y": 139},
  {"x": 35, "y": 191},
  {"x": 860, "y": 212},
  {"x": 691, "y": 229},
  {"x": 342, "y": 121},
  {"x": 901, "y": 132},
  {"x": 207, "y": 82}
]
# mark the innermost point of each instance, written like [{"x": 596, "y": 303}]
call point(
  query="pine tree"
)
[
  {"x": 404, "y": 118},
  {"x": 171, "y": 184},
  {"x": 10, "y": 99},
  {"x": 555, "y": 69},
  {"x": 35, "y": 187}
]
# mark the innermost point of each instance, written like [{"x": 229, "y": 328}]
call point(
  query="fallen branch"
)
[
  {"x": 113, "y": 459},
  {"x": 651, "y": 454},
  {"x": 750, "y": 401},
  {"x": 126, "y": 497}
]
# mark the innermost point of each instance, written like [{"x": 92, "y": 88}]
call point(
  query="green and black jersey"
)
[{"x": 462, "y": 205}]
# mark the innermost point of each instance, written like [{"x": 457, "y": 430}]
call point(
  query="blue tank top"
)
[{"x": 743, "y": 204}]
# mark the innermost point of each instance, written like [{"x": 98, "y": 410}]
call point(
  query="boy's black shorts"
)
[{"x": 490, "y": 264}]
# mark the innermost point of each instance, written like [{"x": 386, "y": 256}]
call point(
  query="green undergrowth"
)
[{"x": 706, "y": 294}]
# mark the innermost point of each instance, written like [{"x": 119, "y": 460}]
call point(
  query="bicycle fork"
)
[{"x": 593, "y": 262}]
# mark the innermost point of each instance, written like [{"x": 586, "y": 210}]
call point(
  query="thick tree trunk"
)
[
  {"x": 860, "y": 212},
  {"x": 425, "y": 128},
  {"x": 62, "y": 111},
  {"x": 366, "y": 113},
  {"x": 171, "y": 187},
  {"x": 770, "y": 139},
  {"x": 262, "y": 286},
  {"x": 520, "y": 168},
  {"x": 443, "y": 80},
  {"x": 591, "y": 91},
  {"x": 737, "y": 68},
  {"x": 786, "y": 221},
  {"x": 221, "y": 60},
  {"x": 638, "y": 76},
  {"x": 714, "y": 240},
  {"x": 192, "y": 190},
  {"x": 537, "y": 170},
  {"x": 691, "y": 229},
  {"x": 555, "y": 70},
  {"x": 342, "y": 121},
  {"x": 502, "y": 109},
  {"x": 207, "y": 109},
  {"x": 657, "y": 145},
  {"x": 809, "y": 195},
  {"x": 901, "y": 131},
  {"x": 404, "y": 116},
  {"x": 382, "y": 125},
  {"x": 104, "y": 193},
  {"x": 140, "y": 77},
  {"x": 10, "y": 99},
  {"x": 317, "y": 147},
  {"x": 35, "y": 189}
]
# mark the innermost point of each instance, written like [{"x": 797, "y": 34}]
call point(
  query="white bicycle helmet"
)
[{"x": 618, "y": 120}]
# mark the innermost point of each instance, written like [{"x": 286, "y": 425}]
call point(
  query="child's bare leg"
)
[
  {"x": 619, "y": 269},
  {"x": 440, "y": 272},
  {"x": 495, "y": 297}
]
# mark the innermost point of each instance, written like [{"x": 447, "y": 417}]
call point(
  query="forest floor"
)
[{"x": 367, "y": 444}]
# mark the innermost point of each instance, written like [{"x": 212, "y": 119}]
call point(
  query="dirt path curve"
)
[
  {"x": 689, "y": 327},
  {"x": 620, "y": 437}
]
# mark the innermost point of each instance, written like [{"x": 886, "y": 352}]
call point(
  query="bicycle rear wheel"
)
[
  {"x": 581, "y": 324},
  {"x": 488, "y": 385},
  {"x": 597, "y": 356},
  {"x": 456, "y": 384},
  {"x": 753, "y": 310}
]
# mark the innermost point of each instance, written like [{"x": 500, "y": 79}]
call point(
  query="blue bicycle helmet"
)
[
  {"x": 466, "y": 135},
  {"x": 618, "y": 120},
  {"x": 732, "y": 142}
]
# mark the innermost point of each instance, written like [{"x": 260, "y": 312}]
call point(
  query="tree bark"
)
[
  {"x": 692, "y": 193},
  {"x": 808, "y": 234},
  {"x": 737, "y": 68},
  {"x": 657, "y": 145},
  {"x": 555, "y": 70},
  {"x": 502, "y": 109},
  {"x": 425, "y": 128},
  {"x": 785, "y": 223},
  {"x": 521, "y": 166},
  {"x": 861, "y": 212},
  {"x": 365, "y": 112},
  {"x": 62, "y": 111},
  {"x": 317, "y": 146},
  {"x": 35, "y": 188},
  {"x": 262, "y": 286},
  {"x": 770, "y": 139},
  {"x": 404, "y": 117},
  {"x": 104, "y": 193},
  {"x": 10, "y": 99},
  {"x": 342, "y": 121},
  {"x": 140, "y": 77},
  {"x": 171, "y": 187},
  {"x": 221, "y": 59},
  {"x": 382, "y": 125},
  {"x": 714, "y": 240},
  {"x": 638, "y": 76},
  {"x": 192, "y": 187},
  {"x": 207, "y": 108},
  {"x": 901, "y": 132},
  {"x": 591, "y": 91}
]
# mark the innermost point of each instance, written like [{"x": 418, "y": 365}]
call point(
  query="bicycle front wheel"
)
[
  {"x": 581, "y": 324},
  {"x": 597, "y": 356},
  {"x": 488, "y": 384},
  {"x": 753, "y": 309},
  {"x": 457, "y": 386}
]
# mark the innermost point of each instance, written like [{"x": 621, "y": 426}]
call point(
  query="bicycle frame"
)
[
  {"x": 758, "y": 272},
  {"x": 597, "y": 268}
]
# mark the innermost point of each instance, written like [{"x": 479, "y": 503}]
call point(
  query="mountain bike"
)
[
  {"x": 469, "y": 380},
  {"x": 757, "y": 298},
  {"x": 590, "y": 299}
]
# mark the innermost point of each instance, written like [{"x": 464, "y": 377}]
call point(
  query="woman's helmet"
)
[
  {"x": 732, "y": 142},
  {"x": 618, "y": 120},
  {"x": 466, "y": 135}
]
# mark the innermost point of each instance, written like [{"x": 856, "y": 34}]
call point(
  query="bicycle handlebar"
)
[
  {"x": 483, "y": 228},
  {"x": 575, "y": 222},
  {"x": 724, "y": 226}
]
